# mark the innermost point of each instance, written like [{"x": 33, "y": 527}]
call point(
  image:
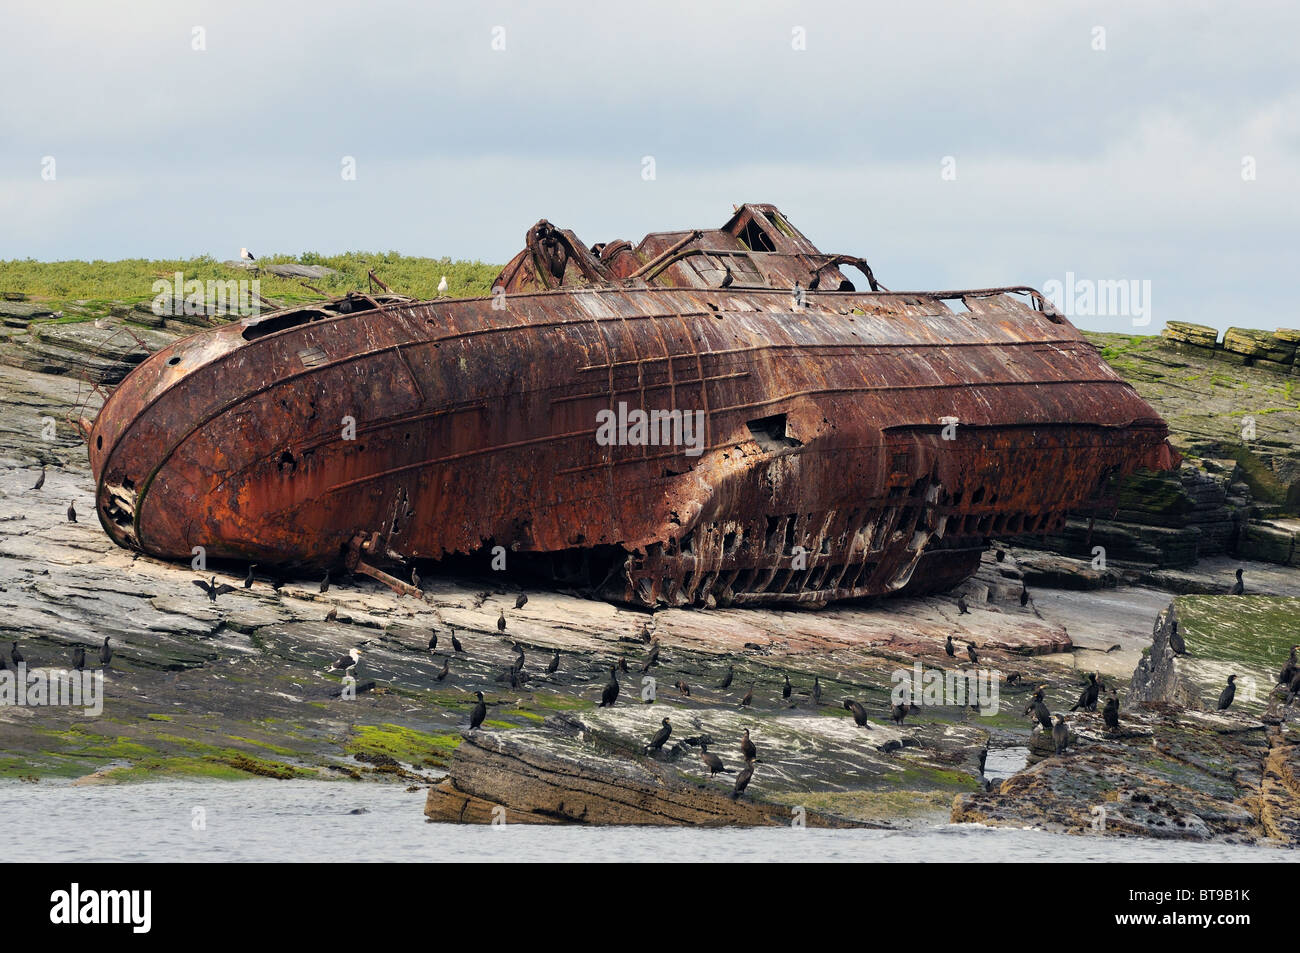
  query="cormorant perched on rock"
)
[
  {"x": 726, "y": 680},
  {"x": 455, "y": 642},
  {"x": 950, "y": 648},
  {"x": 644, "y": 633},
  {"x": 749, "y": 697},
  {"x": 747, "y": 749},
  {"x": 79, "y": 657},
  {"x": 72, "y": 518},
  {"x": 345, "y": 663},
  {"x": 859, "y": 713},
  {"x": 479, "y": 713},
  {"x": 325, "y": 583},
  {"x": 1176, "y": 640},
  {"x": 554, "y": 664},
  {"x": 622, "y": 664},
  {"x": 1238, "y": 587},
  {"x": 1289, "y": 669},
  {"x": 962, "y": 609},
  {"x": 660, "y": 737},
  {"x": 1000, "y": 555},
  {"x": 970, "y": 653},
  {"x": 742, "y": 781},
  {"x": 1060, "y": 735},
  {"x": 1293, "y": 689},
  {"x": 105, "y": 654},
  {"x": 898, "y": 712},
  {"x": 817, "y": 690},
  {"x": 1088, "y": 698},
  {"x": 610, "y": 694},
  {"x": 446, "y": 667},
  {"x": 1110, "y": 713},
  {"x": 212, "y": 589},
  {"x": 332, "y": 615},
  {"x": 1041, "y": 713},
  {"x": 1024, "y": 595},
  {"x": 1013, "y": 678},
  {"x": 433, "y": 640},
  {"x": 683, "y": 688},
  {"x": 711, "y": 761},
  {"x": 785, "y": 689},
  {"x": 1229, "y": 693},
  {"x": 40, "y": 480},
  {"x": 519, "y": 656},
  {"x": 509, "y": 675},
  {"x": 522, "y": 600},
  {"x": 16, "y": 655},
  {"x": 1037, "y": 697},
  {"x": 248, "y": 580},
  {"x": 501, "y": 621}
]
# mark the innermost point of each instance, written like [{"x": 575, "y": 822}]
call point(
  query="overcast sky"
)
[{"x": 1169, "y": 156}]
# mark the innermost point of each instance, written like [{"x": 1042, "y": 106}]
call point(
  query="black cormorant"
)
[
  {"x": 479, "y": 713},
  {"x": 817, "y": 690},
  {"x": 683, "y": 688},
  {"x": 1041, "y": 713},
  {"x": 1289, "y": 669},
  {"x": 711, "y": 761},
  {"x": 950, "y": 648},
  {"x": 1060, "y": 735},
  {"x": 1238, "y": 587},
  {"x": 248, "y": 580},
  {"x": 554, "y": 664},
  {"x": 1024, "y": 595},
  {"x": 522, "y": 600},
  {"x": 446, "y": 667},
  {"x": 961, "y": 606},
  {"x": 1110, "y": 713},
  {"x": 1088, "y": 698},
  {"x": 726, "y": 679},
  {"x": 1000, "y": 555},
  {"x": 501, "y": 621},
  {"x": 105, "y": 654},
  {"x": 79, "y": 657},
  {"x": 898, "y": 712},
  {"x": 212, "y": 589},
  {"x": 660, "y": 737},
  {"x": 859, "y": 713},
  {"x": 970, "y": 653},
  {"x": 1229, "y": 693},
  {"x": 749, "y": 696},
  {"x": 325, "y": 583},
  {"x": 433, "y": 640},
  {"x": 455, "y": 642},
  {"x": 519, "y": 657},
  {"x": 16, "y": 655},
  {"x": 785, "y": 689},
  {"x": 610, "y": 694},
  {"x": 72, "y": 514},
  {"x": 40, "y": 480},
  {"x": 742, "y": 781},
  {"x": 747, "y": 749},
  {"x": 1175, "y": 639}
]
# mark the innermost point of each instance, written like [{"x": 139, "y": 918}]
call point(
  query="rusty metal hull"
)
[{"x": 825, "y": 469}]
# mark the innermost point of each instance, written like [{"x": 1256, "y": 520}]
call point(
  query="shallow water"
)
[{"x": 312, "y": 821}]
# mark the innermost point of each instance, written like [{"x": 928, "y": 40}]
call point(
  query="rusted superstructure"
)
[{"x": 855, "y": 441}]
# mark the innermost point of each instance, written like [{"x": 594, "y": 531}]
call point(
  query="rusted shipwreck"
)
[{"x": 853, "y": 441}]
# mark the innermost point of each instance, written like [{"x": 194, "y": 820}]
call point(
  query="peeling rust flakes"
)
[{"x": 828, "y": 471}]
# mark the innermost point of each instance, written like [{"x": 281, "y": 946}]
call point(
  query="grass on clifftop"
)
[{"x": 132, "y": 279}]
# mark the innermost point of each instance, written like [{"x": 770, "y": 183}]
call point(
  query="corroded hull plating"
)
[{"x": 826, "y": 471}]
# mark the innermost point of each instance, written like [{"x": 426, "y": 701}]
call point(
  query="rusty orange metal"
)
[{"x": 855, "y": 441}]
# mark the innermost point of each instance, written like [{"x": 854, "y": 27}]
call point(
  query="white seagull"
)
[
  {"x": 246, "y": 255},
  {"x": 346, "y": 663},
  {"x": 442, "y": 285}
]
